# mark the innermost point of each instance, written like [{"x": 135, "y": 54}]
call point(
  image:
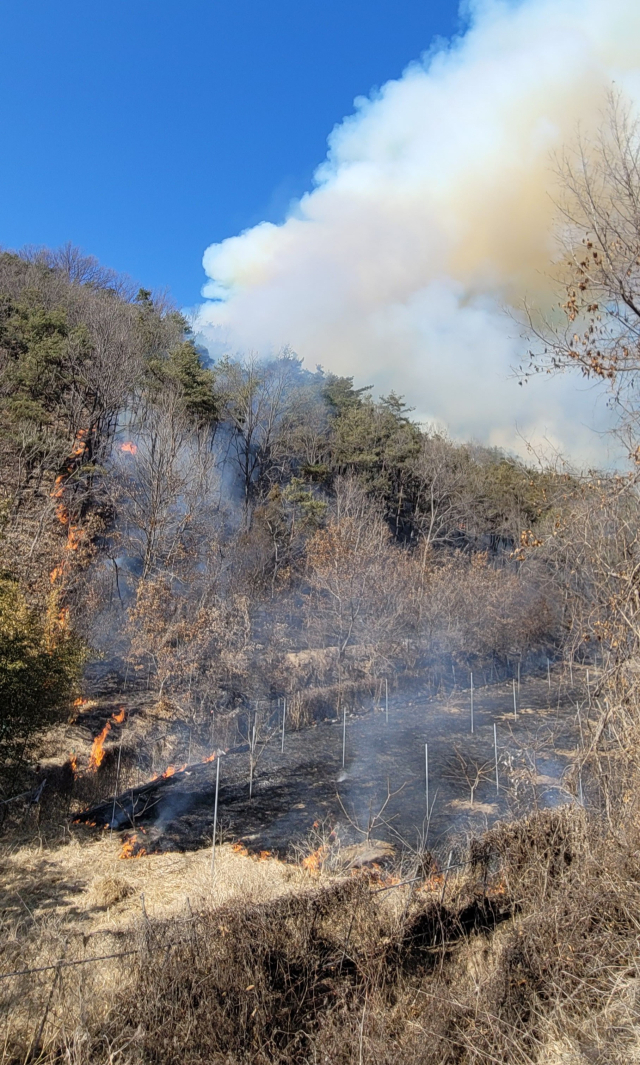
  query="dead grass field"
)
[{"x": 534, "y": 962}]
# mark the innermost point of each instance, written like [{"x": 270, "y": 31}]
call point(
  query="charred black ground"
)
[{"x": 381, "y": 792}]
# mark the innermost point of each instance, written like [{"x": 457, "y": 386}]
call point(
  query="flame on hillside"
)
[
  {"x": 75, "y": 533},
  {"x": 171, "y": 770},
  {"x": 129, "y": 447},
  {"x": 97, "y": 748},
  {"x": 132, "y": 847},
  {"x": 314, "y": 861},
  {"x": 73, "y": 762}
]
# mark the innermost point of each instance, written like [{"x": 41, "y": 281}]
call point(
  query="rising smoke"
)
[{"x": 432, "y": 213}]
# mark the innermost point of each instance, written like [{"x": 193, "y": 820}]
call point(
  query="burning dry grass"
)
[
  {"x": 537, "y": 962},
  {"x": 79, "y": 900}
]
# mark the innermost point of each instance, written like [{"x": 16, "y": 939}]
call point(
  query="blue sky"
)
[{"x": 143, "y": 132}]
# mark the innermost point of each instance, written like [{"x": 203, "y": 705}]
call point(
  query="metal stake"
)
[
  {"x": 549, "y": 673},
  {"x": 471, "y": 675},
  {"x": 495, "y": 745},
  {"x": 344, "y": 733},
  {"x": 251, "y": 750},
  {"x": 215, "y": 815},
  {"x": 426, "y": 773},
  {"x": 284, "y": 716},
  {"x": 515, "y": 702},
  {"x": 518, "y": 676},
  {"x": 113, "y": 812},
  {"x": 386, "y": 700}
]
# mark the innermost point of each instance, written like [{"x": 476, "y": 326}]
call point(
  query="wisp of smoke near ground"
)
[{"x": 433, "y": 214}]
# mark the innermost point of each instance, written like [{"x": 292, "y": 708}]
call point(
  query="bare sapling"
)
[
  {"x": 374, "y": 820},
  {"x": 495, "y": 747},
  {"x": 467, "y": 769},
  {"x": 515, "y": 702}
]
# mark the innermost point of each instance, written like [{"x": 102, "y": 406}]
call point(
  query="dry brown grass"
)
[{"x": 536, "y": 962}]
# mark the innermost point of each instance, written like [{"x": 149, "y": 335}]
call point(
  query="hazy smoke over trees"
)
[{"x": 432, "y": 212}]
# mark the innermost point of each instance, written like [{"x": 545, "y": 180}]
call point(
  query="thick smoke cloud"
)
[{"x": 432, "y": 213}]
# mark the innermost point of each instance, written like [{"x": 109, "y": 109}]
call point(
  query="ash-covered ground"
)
[{"x": 381, "y": 791}]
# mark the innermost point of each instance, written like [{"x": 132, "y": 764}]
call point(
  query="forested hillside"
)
[
  {"x": 197, "y": 524},
  {"x": 199, "y": 562}
]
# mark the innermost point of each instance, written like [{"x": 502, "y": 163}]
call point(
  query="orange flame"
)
[
  {"x": 171, "y": 770},
  {"x": 132, "y": 847},
  {"x": 130, "y": 447},
  {"x": 239, "y": 848},
  {"x": 74, "y": 537},
  {"x": 313, "y": 862},
  {"x": 119, "y": 717},
  {"x": 97, "y": 749},
  {"x": 73, "y": 762}
]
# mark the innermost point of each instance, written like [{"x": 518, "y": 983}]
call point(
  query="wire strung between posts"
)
[{"x": 66, "y": 964}]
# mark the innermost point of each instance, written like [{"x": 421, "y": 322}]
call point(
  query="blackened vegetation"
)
[{"x": 306, "y": 784}]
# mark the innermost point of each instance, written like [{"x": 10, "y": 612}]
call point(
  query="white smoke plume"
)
[{"x": 432, "y": 212}]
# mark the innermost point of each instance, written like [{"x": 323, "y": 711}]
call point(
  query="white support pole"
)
[
  {"x": 344, "y": 733},
  {"x": 284, "y": 716},
  {"x": 571, "y": 671},
  {"x": 386, "y": 700},
  {"x": 515, "y": 701},
  {"x": 495, "y": 747},
  {"x": 518, "y": 676},
  {"x": 471, "y": 675},
  {"x": 113, "y": 812},
  {"x": 549, "y": 673},
  {"x": 426, "y": 773},
  {"x": 215, "y": 815},
  {"x": 251, "y": 750}
]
